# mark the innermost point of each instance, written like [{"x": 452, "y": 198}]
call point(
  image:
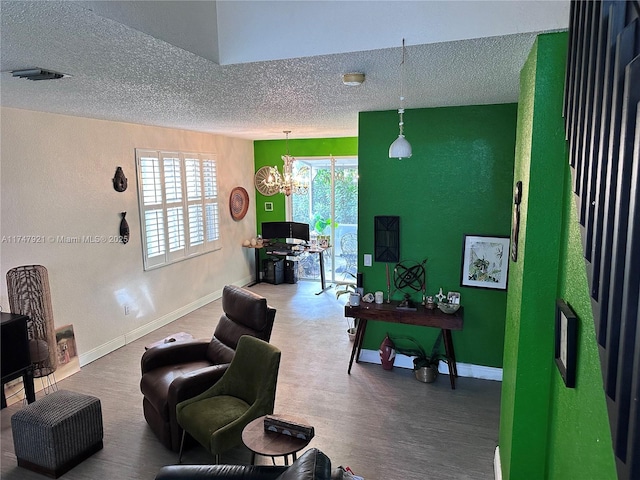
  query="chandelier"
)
[{"x": 289, "y": 181}]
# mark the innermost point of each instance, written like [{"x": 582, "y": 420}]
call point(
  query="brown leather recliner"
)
[{"x": 174, "y": 372}]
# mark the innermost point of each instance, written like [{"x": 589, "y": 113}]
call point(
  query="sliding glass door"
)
[{"x": 330, "y": 207}]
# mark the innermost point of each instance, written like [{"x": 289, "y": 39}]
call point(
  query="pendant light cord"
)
[{"x": 401, "y": 109}]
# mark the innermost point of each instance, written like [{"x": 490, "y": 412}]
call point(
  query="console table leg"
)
[
  {"x": 357, "y": 342},
  {"x": 451, "y": 357}
]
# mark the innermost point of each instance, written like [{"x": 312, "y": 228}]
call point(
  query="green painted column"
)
[
  {"x": 533, "y": 281},
  {"x": 536, "y": 440}
]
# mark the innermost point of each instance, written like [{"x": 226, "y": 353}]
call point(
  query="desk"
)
[
  {"x": 387, "y": 312},
  {"x": 271, "y": 444},
  {"x": 314, "y": 250},
  {"x": 16, "y": 361}
]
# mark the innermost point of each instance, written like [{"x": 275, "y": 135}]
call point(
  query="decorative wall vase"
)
[
  {"x": 119, "y": 180},
  {"x": 124, "y": 229}
]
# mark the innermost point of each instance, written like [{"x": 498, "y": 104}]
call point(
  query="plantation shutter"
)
[{"x": 178, "y": 200}]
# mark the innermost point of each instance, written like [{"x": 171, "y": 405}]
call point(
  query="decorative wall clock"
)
[
  {"x": 238, "y": 203},
  {"x": 261, "y": 175}
]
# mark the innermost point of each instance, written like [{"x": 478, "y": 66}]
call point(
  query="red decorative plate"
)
[{"x": 238, "y": 203}]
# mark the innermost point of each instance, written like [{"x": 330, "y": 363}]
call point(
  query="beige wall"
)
[{"x": 56, "y": 177}]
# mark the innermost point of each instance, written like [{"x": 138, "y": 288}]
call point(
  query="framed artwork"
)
[
  {"x": 566, "y": 343},
  {"x": 453, "y": 298},
  {"x": 485, "y": 262},
  {"x": 268, "y": 206}
]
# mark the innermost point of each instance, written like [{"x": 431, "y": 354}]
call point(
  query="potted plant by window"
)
[{"x": 320, "y": 224}]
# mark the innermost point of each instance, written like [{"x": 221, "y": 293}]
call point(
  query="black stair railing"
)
[{"x": 602, "y": 120}]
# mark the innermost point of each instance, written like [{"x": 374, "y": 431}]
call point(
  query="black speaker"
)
[{"x": 387, "y": 239}]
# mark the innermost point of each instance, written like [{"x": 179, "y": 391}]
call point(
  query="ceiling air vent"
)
[{"x": 37, "y": 74}]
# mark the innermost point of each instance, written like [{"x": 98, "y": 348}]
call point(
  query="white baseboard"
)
[
  {"x": 170, "y": 317},
  {"x": 101, "y": 351},
  {"x": 464, "y": 369},
  {"x": 497, "y": 466},
  {"x": 143, "y": 330}
]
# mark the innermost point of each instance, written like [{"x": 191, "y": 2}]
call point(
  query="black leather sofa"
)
[{"x": 312, "y": 465}]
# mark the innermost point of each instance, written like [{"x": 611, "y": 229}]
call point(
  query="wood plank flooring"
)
[{"x": 383, "y": 424}]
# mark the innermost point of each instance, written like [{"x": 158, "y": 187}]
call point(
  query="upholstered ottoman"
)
[{"x": 57, "y": 432}]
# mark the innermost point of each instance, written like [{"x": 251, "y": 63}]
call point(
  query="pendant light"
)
[{"x": 401, "y": 148}]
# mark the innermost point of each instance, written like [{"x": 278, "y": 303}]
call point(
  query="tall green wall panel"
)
[
  {"x": 458, "y": 181},
  {"x": 546, "y": 430}
]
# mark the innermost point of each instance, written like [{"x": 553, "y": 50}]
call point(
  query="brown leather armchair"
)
[{"x": 174, "y": 372}]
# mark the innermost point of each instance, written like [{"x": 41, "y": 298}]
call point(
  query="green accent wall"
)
[
  {"x": 269, "y": 152},
  {"x": 546, "y": 430},
  {"x": 458, "y": 181}
]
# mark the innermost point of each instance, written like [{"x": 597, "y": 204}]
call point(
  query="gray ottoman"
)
[{"x": 57, "y": 432}]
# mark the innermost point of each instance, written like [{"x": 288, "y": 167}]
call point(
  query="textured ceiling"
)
[{"x": 120, "y": 73}]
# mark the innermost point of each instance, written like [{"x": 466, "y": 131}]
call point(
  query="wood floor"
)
[{"x": 383, "y": 424}]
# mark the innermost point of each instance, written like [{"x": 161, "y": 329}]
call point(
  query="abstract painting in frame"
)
[{"x": 485, "y": 262}]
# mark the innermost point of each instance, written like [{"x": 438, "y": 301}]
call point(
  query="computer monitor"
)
[{"x": 284, "y": 230}]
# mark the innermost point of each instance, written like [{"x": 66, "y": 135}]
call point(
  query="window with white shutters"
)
[{"x": 178, "y": 199}]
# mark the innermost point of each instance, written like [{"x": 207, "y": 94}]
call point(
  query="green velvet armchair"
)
[{"x": 246, "y": 391}]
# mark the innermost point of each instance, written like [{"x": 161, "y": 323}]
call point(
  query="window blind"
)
[{"x": 178, "y": 201}]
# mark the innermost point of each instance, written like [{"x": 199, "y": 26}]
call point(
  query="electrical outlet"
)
[
  {"x": 367, "y": 259},
  {"x": 126, "y": 310}
]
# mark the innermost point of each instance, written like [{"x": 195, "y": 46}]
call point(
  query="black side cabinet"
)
[{"x": 16, "y": 361}]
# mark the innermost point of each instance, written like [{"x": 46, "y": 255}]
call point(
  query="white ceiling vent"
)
[{"x": 37, "y": 74}]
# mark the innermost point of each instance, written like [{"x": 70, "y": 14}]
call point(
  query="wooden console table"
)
[{"x": 387, "y": 312}]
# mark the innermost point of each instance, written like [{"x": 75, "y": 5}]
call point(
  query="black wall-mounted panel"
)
[{"x": 387, "y": 239}]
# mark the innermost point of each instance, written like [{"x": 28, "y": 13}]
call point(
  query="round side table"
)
[{"x": 271, "y": 444}]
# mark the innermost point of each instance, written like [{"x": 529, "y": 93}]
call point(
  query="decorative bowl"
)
[{"x": 448, "y": 307}]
